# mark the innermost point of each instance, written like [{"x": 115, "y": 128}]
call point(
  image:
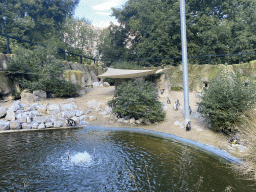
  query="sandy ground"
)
[{"x": 199, "y": 132}]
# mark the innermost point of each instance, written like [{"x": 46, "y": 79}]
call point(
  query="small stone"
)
[
  {"x": 92, "y": 118},
  {"x": 15, "y": 125},
  {"x": 34, "y": 125},
  {"x": 49, "y": 125},
  {"x": 26, "y": 126},
  {"x": 177, "y": 123},
  {"x": 139, "y": 121},
  {"x": 132, "y": 120},
  {"x": 121, "y": 120},
  {"x": 41, "y": 126},
  {"x": 126, "y": 121},
  {"x": 70, "y": 99}
]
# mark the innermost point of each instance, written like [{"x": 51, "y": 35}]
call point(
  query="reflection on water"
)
[{"x": 100, "y": 160}]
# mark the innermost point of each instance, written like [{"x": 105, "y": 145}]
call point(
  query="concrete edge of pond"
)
[
  {"x": 52, "y": 128},
  {"x": 206, "y": 148}
]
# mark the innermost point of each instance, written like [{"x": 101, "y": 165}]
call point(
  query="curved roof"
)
[{"x": 126, "y": 73}]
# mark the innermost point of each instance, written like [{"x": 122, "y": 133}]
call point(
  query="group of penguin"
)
[{"x": 176, "y": 107}]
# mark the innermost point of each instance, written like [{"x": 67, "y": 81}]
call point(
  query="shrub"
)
[
  {"x": 138, "y": 99},
  {"x": 225, "y": 101},
  {"x": 38, "y": 69}
]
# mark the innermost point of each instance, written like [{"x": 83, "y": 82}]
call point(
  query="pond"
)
[{"x": 102, "y": 159}]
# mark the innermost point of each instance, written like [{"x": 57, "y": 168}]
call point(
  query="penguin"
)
[
  {"x": 188, "y": 126},
  {"x": 71, "y": 122}
]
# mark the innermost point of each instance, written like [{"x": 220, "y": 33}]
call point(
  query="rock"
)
[
  {"x": 4, "y": 125},
  {"x": 70, "y": 99},
  {"x": 53, "y": 109},
  {"x": 83, "y": 118},
  {"x": 147, "y": 122},
  {"x": 132, "y": 120},
  {"x": 35, "y": 113},
  {"x": 41, "y": 109},
  {"x": 3, "y": 111},
  {"x": 92, "y": 118},
  {"x": 34, "y": 125},
  {"x": 89, "y": 111},
  {"x": 23, "y": 119},
  {"x": 15, "y": 125},
  {"x": 40, "y": 94},
  {"x": 108, "y": 109},
  {"x": 27, "y": 108},
  {"x": 139, "y": 121},
  {"x": 79, "y": 113},
  {"x": 126, "y": 121},
  {"x": 34, "y": 106},
  {"x": 57, "y": 124},
  {"x": 180, "y": 107},
  {"x": 106, "y": 84},
  {"x": 104, "y": 113},
  {"x": 67, "y": 107},
  {"x": 26, "y": 126},
  {"x": 50, "y": 118},
  {"x": 10, "y": 115},
  {"x": 177, "y": 123},
  {"x": 48, "y": 124},
  {"x": 27, "y": 97},
  {"x": 121, "y": 120},
  {"x": 95, "y": 84},
  {"x": 101, "y": 85},
  {"x": 68, "y": 114},
  {"x": 39, "y": 119},
  {"x": 41, "y": 126}
]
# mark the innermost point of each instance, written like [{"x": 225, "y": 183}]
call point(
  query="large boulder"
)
[
  {"x": 39, "y": 119},
  {"x": 27, "y": 97},
  {"x": 15, "y": 125},
  {"x": 3, "y": 111},
  {"x": 40, "y": 94},
  {"x": 4, "y": 125}
]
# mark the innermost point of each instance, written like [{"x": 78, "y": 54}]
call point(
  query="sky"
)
[{"x": 98, "y": 11}]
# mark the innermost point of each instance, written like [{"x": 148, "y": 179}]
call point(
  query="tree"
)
[
  {"x": 36, "y": 20},
  {"x": 213, "y": 27}
]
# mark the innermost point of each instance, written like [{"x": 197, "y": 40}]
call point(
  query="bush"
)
[
  {"x": 225, "y": 101},
  {"x": 138, "y": 99},
  {"x": 38, "y": 69}
]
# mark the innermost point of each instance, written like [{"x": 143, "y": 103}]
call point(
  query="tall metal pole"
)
[{"x": 184, "y": 59}]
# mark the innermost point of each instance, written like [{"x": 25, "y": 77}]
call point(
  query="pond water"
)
[{"x": 105, "y": 160}]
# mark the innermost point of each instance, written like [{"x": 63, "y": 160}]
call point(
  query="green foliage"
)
[
  {"x": 126, "y": 65},
  {"x": 38, "y": 69},
  {"x": 225, "y": 101},
  {"x": 138, "y": 98},
  {"x": 176, "y": 88},
  {"x": 151, "y": 29},
  {"x": 34, "y": 20}
]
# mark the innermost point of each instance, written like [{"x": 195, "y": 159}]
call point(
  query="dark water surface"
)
[{"x": 104, "y": 160}]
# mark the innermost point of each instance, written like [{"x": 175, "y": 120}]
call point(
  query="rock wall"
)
[
  {"x": 77, "y": 73},
  {"x": 199, "y": 75}
]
